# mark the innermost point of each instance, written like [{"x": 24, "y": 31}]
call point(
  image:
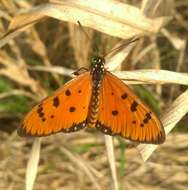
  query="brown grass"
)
[
  {"x": 59, "y": 168},
  {"x": 58, "y": 48}
]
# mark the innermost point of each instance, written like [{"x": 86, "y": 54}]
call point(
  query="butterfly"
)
[{"x": 95, "y": 98}]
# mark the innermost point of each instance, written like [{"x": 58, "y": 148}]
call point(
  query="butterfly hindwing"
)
[
  {"x": 122, "y": 113},
  {"x": 66, "y": 110}
]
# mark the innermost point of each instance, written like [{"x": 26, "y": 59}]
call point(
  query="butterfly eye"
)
[{"x": 94, "y": 60}]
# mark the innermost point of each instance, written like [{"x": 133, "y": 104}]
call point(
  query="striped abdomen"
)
[
  {"x": 94, "y": 104},
  {"x": 97, "y": 73}
]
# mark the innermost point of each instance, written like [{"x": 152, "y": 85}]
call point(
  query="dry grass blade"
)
[
  {"x": 127, "y": 20},
  {"x": 32, "y": 166},
  {"x": 151, "y": 76},
  {"x": 141, "y": 76},
  {"x": 82, "y": 165},
  {"x": 39, "y": 48},
  {"x": 111, "y": 159},
  {"x": 153, "y": 8},
  {"x": 118, "y": 12},
  {"x": 55, "y": 69},
  {"x": 11, "y": 34},
  {"x": 123, "y": 49},
  {"x": 169, "y": 119},
  {"x": 177, "y": 42},
  {"x": 146, "y": 49},
  {"x": 15, "y": 70},
  {"x": 18, "y": 92},
  {"x": 79, "y": 42}
]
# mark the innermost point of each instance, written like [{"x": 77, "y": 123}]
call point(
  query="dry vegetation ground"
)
[
  {"x": 60, "y": 165},
  {"x": 42, "y": 57}
]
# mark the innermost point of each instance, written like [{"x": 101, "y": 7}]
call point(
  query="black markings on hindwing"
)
[
  {"x": 106, "y": 130},
  {"x": 75, "y": 127}
]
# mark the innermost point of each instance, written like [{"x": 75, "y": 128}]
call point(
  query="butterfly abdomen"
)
[{"x": 97, "y": 73}]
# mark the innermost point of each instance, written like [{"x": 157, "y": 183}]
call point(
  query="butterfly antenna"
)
[
  {"x": 81, "y": 27},
  {"x": 122, "y": 45}
]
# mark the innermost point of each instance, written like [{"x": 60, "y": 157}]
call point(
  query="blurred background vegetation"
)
[{"x": 23, "y": 83}]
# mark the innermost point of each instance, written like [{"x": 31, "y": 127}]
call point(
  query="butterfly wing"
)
[
  {"x": 66, "y": 110},
  {"x": 121, "y": 112}
]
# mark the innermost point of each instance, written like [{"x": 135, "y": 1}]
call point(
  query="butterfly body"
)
[
  {"x": 95, "y": 98},
  {"x": 97, "y": 73}
]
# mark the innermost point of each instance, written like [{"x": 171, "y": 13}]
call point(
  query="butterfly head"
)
[{"x": 97, "y": 67}]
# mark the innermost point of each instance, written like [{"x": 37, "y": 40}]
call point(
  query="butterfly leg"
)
[{"x": 80, "y": 71}]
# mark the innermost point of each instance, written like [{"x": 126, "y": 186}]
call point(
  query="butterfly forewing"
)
[
  {"x": 122, "y": 113},
  {"x": 65, "y": 111}
]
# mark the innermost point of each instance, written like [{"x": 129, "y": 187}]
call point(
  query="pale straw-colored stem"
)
[{"x": 32, "y": 165}]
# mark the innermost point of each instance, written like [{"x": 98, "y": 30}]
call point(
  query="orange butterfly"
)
[{"x": 98, "y": 99}]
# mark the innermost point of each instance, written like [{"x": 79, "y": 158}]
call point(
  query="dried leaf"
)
[
  {"x": 107, "y": 16},
  {"x": 169, "y": 120}
]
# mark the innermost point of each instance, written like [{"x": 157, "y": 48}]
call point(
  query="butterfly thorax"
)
[{"x": 97, "y": 72}]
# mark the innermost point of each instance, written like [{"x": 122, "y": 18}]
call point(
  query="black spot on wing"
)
[
  {"x": 147, "y": 117},
  {"x": 40, "y": 109},
  {"x": 115, "y": 112},
  {"x": 41, "y": 113},
  {"x": 145, "y": 120},
  {"x": 124, "y": 96},
  {"x": 134, "y": 106},
  {"x": 72, "y": 109},
  {"x": 141, "y": 125},
  {"x": 56, "y": 101},
  {"x": 67, "y": 92}
]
